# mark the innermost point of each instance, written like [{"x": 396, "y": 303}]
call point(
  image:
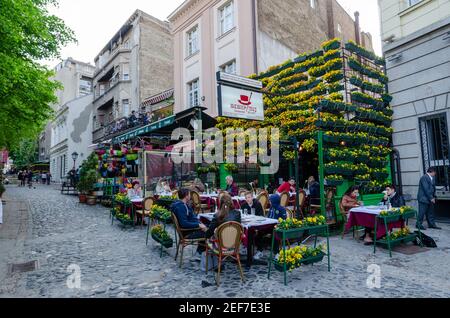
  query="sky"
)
[{"x": 96, "y": 21}]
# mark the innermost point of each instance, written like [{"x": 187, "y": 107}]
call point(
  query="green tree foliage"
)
[
  {"x": 28, "y": 33},
  {"x": 25, "y": 154}
]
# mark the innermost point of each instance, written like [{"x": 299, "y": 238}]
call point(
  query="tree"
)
[
  {"x": 25, "y": 154},
  {"x": 28, "y": 33}
]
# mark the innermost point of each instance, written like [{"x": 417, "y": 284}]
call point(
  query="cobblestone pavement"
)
[{"x": 116, "y": 262}]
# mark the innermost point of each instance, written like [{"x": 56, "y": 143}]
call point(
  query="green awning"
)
[{"x": 145, "y": 130}]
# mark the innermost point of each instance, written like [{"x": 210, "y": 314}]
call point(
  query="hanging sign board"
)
[{"x": 240, "y": 97}]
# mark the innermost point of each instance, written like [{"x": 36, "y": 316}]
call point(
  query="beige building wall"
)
[
  {"x": 265, "y": 33},
  {"x": 399, "y": 18}
]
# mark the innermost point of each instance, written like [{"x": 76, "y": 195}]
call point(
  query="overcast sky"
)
[{"x": 96, "y": 21}]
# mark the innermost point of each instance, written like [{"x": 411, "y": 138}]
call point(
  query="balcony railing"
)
[{"x": 123, "y": 125}]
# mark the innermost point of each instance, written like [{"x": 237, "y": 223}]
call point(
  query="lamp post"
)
[{"x": 74, "y": 157}]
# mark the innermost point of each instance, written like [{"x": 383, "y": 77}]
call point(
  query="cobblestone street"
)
[{"x": 115, "y": 262}]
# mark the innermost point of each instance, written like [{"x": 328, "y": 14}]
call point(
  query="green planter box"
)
[
  {"x": 409, "y": 215},
  {"x": 405, "y": 239},
  {"x": 290, "y": 234},
  {"x": 307, "y": 261},
  {"x": 125, "y": 222},
  {"x": 166, "y": 243}
]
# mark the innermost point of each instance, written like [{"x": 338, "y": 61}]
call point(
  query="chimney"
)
[{"x": 357, "y": 29}]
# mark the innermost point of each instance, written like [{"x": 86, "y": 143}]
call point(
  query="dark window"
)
[{"x": 435, "y": 146}]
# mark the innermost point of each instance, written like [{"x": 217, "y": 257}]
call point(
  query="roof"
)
[
  {"x": 155, "y": 99},
  {"x": 180, "y": 9}
]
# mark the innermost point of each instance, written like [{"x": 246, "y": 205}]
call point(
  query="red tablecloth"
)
[{"x": 368, "y": 220}]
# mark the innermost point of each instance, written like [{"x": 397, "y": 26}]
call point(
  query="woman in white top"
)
[{"x": 136, "y": 191}]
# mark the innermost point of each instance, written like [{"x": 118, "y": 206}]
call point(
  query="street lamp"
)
[{"x": 74, "y": 157}]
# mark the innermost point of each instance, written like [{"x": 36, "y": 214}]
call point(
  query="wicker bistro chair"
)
[
  {"x": 146, "y": 209},
  {"x": 183, "y": 240},
  {"x": 197, "y": 203},
  {"x": 227, "y": 244},
  {"x": 263, "y": 198},
  {"x": 284, "y": 199}
]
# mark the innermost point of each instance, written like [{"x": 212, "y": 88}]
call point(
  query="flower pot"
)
[
  {"x": 166, "y": 243},
  {"x": 313, "y": 259},
  {"x": 91, "y": 200},
  {"x": 333, "y": 183},
  {"x": 82, "y": 198}
]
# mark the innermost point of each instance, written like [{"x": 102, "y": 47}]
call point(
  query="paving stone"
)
[{"x": 115, "y": 262}]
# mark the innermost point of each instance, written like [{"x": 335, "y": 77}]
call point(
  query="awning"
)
[
  {"x": 166, "y": 126},
  {"x": 145, "y": 130}
]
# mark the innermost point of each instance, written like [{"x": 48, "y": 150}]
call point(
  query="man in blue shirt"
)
[{"x": 187, "y": 218}]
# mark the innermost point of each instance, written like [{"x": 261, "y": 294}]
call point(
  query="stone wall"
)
[
  {"x": 302, "y": 28},
  {"x": 155, "y": 58}
]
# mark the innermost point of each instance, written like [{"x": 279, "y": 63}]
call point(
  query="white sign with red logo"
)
[{"x": 241, "y": 103}]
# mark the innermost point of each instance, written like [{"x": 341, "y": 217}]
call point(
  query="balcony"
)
[
  {"x": 113, "y": 54},
  {"x": 123, "y": 125}
]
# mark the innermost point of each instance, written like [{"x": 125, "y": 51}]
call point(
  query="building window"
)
[
  {"x": 413, "y": 2},
  {"x": 126, "y": 76},
  {"x": 192, "y": 41},
  {"x": 229, "y": 68},
  {"x": 126, "y": 107},
  {"x": 226, "y": 18},
  {"x": 435, "y": 146},
  {"x": 193, "y": 93},
  {"x": 85, "y": 87},
  {"x": 312, "y": 3},
  {"x": 339, "y": 28}
]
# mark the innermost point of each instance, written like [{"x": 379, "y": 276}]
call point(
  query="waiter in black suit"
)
[{"x": 427, "y": 200}]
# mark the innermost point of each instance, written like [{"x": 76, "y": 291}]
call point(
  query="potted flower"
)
[
  {"x": 160, "y": 235},
  {"x": 90, "y": 179}
]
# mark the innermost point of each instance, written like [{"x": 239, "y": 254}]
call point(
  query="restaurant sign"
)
[{"x": 240, "y": 97}]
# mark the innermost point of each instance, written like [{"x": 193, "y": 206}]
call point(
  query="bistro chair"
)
[
  {"x": 284, "y": 199},
  {"x": 263, "y": 198},
  {"x": 344, "y": 217},
  {"x": 290, "y": 213},
  {"x": 227, "y": 245},
  {"x": 146, "y": 209},
  {"x": 302, "y": 200},
  {"x": 183, "y": 240},
  {"x": 197, "y": 203}
]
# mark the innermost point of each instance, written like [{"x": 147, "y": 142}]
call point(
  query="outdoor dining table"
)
[
  {"x": 251, "y": 224},
  {"x": 367, "y": 216},
  {"x": 212, "y": 200}
]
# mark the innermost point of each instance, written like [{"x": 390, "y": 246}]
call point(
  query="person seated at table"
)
[
  {"x": 288, "y": 186},
  {"x": 252, "y": 204},
  {"x": 277, "y": 211},
  {"x": 350, "y": 201},
  {"x": 232, "y": 187},
  {"x": 314, "y": 190},
  {"x": 226, "y": 213},
  {"x": 136, "y": 191},
  {"x": 159, "y": 186},
  {"x": 198, "y": 186},
  {"x": 187, "y": 218},
  {"x": 396, "y": 200}
]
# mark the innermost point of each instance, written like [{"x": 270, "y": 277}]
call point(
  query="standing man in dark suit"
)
[{"x": 427, "y": 199}]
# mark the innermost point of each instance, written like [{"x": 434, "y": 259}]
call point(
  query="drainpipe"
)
[
  {"x": 357, "y": 29},
  {"x": 255, "y": 48}
]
